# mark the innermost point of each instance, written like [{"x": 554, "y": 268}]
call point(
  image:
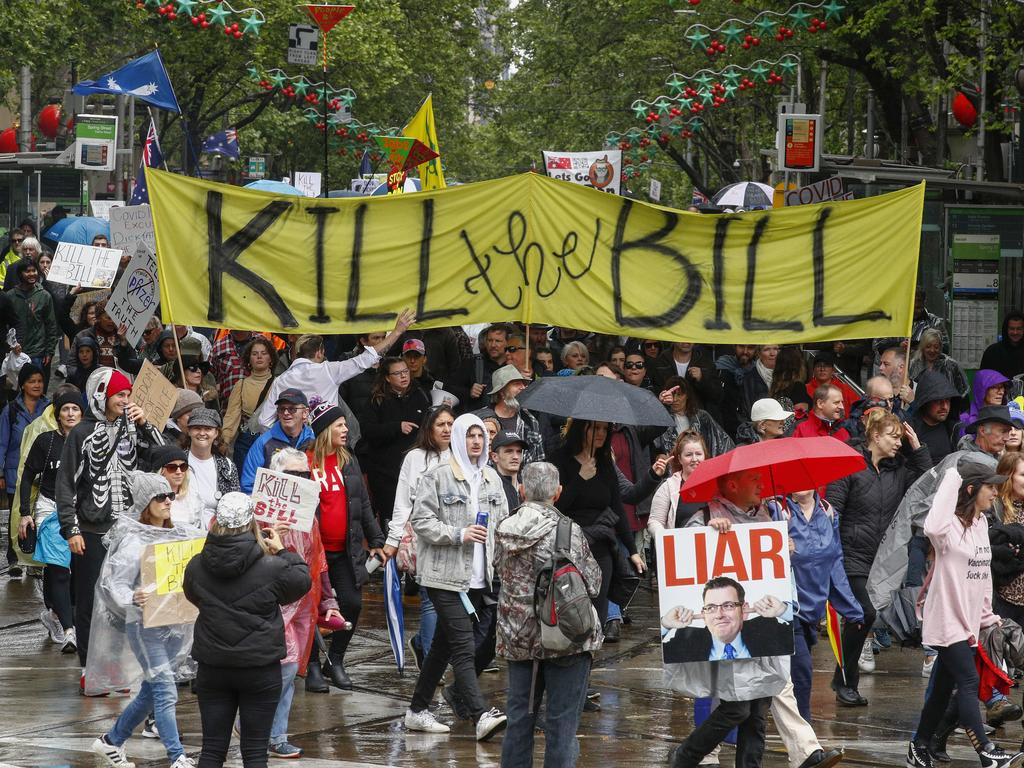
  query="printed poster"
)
[{"x": 597, "y": 170}]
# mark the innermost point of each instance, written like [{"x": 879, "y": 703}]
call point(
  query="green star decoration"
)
[
  {"x": 788, "y": 66},
  {"x": 759, "y": 71},
  {"x": 219, "y": 15},
  {"x": 254, "y": 73},
  {"x": 154, "y": 3},
  {"x": 697, "y": 37},
  {"x": 765, "y": 26},
  {"x": 704, "y": 80},
  {"x": 685, "y": 104},
  {"x": 706, "y": 96},
  {"x": 185, "y": 7},
  {"x": 696, "y": 124},
  {"x": 251, "y": 23},
  {"x": 662, "y": 105},
  {"x": 675, "y": 83},
  {"x": 833, "y": 10},
  {"x": 640, "y": 109},
  {"x": 799, "y": 17},
  {"x": 733, "y": 33},
  {"x": 731, "y": 76},
  {"x": 278, "y": 79},
  {"x": 730, "y": 89},
  {"x": 300, "y": 86},
  {"x": 676, "y": 128},
  {"x": 346, "y": 97}
]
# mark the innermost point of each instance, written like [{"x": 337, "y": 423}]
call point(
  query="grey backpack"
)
[{"x": 564, "y": 610}]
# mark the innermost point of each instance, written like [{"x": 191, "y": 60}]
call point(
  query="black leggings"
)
[
  {"x": 341, "y": 572},
  {"x": 252, "y": 692},
  {"x": 954, "y": 667},
  {"x": 57, "y": 593},
  {"x": 603, "y": 554},
  {"x": 853, "y": 638}
]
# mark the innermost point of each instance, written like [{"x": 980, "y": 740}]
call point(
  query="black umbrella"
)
[{"x": 595, "y": 398}]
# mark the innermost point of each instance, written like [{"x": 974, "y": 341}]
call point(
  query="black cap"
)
[
  {"x": 293, "y": 396},
  {"x": 991, "y": 414},
  {"x": 977, "y": 473},
  {"x": 825, "y": 357},
  {"x": 504, "y": 438}
]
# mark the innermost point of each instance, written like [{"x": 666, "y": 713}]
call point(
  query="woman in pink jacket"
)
[{"x": 958, "y": 605}]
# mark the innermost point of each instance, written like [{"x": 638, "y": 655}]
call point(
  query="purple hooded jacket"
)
[{"x": 983, "y": 381}]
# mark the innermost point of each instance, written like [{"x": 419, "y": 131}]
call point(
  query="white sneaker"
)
[
  {"x": 425, "y": 722},
  {"x": 114, "y": 756},
  {"x": 866, "y": 662},
  {"x": 149, "y": 730},
  {"x": 70, "y": 642},
  {"x": 184, "y": 762},
  {"x": 926, "y": 667},
  {"x": 490, "y": 723},
  {"x": 52, "y": 626}
]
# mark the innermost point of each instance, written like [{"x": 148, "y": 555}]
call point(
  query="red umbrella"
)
[{"x": 788, "y": 464}]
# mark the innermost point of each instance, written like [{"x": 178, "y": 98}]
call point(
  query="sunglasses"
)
[
  {"x": 631, "y": 365},
  {"x": 513, "y": 350},
  {"x": 162, "y": 497},
  {"x": 18, "y": 240},
  {"x": 176, "y": 467},
  {"x": 299, "y": 473},
  {"x": 196, "y": 368},
  {"x": 289, "y": 409}
]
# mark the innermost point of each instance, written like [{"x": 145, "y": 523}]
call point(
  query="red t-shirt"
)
[{"x": 333, "y": 507}]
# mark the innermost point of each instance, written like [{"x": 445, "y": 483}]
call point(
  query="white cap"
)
[{"x": 768, "y": 408}]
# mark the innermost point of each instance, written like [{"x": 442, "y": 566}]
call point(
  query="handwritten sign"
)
[
  {"x": 154, "y": 394},
  {"x": 722, "y": 591},
  {"x": 163, "y": 575},
  {"x": 308, "y": 183},
  {"x": 84, "y": 265},
  {"x": 135, "y": 297},
  {"x": 131, "y": 225},
  {"x": 532, "y": 249},
  {"x": 281, "y": 498},
  {"x": 101, "y": 208}
]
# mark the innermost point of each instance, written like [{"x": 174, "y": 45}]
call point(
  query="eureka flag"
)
[{"x": 145, "y": 78}]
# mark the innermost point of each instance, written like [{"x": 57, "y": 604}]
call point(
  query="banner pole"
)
[
  {"x": 177, "y": 349},
  {"x": 327, "y": 185}
]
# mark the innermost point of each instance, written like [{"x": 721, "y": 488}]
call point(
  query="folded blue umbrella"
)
[
  {"x": 77, "y": 229},
  {"x": 394, "y": 614}
]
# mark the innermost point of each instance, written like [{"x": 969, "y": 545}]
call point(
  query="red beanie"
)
[{"x": 118, "y": 383}]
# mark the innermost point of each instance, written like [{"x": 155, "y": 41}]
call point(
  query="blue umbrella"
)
[
  {"x": 78, "y": 229},
  {"x": 394, "y": 614},
  {"x": 277, "y": 187}
]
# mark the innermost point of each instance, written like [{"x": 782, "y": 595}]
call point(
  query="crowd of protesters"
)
[{"x": 425, "y": 455}]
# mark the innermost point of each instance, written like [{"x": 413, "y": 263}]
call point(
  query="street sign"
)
[
  {"x": 257, "y": 168},
  {"x": 302, "y": 44},
  {"x": 326, "y": 16},
  {"x": 655, "y": 191},
  {"x": 96, "y": 141},
  {"x": 799, "y": 142}
]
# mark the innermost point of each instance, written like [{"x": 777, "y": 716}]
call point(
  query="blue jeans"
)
[
  {"x": 566, "y": 682},
  {"x": 279, "y": 729},
  {"x": 800, "y": 667},
  {"x": 917, "y": 561},
  {"x": 154, "y": 648},
  {"x": 428, "y": 621}
]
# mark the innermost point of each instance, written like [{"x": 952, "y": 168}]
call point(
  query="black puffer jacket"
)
[
  {"x": 362, "y": 523},
  {"x": 382, "y": 430},
  {"x": 866, "y": 502},
  {"x": 239, "y": 592}
]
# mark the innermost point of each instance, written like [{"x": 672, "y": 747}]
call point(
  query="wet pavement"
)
[{"x": 45, "y": 722}]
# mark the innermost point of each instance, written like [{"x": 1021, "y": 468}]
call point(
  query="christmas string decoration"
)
[
  {"x": 812, "y": 17},
  {"x": 209, "y": 14},
  {"x": 299, "y": 86},
  {"x": 353, "y": 136}
]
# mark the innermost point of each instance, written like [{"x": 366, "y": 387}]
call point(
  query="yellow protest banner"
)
[{"x": 538, "y": 250}]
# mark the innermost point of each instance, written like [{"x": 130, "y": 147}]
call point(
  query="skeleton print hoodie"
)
[{"x": 93, "y": 487}]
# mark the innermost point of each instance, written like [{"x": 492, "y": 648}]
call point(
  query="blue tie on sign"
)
[{"x": 730, "y": 652}]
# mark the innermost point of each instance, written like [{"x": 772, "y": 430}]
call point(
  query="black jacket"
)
[
  {"x": 708, "y": 389},
  {"x": 386, "y": 446},
  {"x": 866, "y": 502},
  {"x": 239, "y": 592},
  {"x": 763, "y": 637},
  {"x": 1004, "y": 356},
  {"x": 932, "y": 386}
]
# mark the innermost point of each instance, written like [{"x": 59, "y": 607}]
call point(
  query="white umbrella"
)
[{"x": 746, "y": 195}]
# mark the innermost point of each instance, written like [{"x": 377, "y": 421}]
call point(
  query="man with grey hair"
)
[
  {"x": 523, "y": 543},
  {"x": 506, "y": 385}
]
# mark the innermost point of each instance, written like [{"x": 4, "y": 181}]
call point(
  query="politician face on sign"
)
[{"x": 728, "y": 634}]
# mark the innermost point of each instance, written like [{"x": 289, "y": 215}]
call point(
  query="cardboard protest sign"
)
[
  {"x": 154, "y": 394},
  {"x": 532, "y": 249},
  {"x": 308, "y": 183},
  {"x": 725, "y": 596},
  {"x": 75, "y": 264},
  {"x": 597, "y": 170},
  {"x": 131, "y": 225},
  {"x": 818, "y": 192},
  {"x": 135, "y": 297},
  {"x": 280, "y": 498},
  {"x": 163, "y": 573}
]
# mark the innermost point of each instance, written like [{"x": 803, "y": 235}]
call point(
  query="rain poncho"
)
[
  {"x": 301, "y": 616},
  {"x": 117, "y": 658}
]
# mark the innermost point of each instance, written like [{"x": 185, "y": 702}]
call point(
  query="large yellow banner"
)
[{"x": 537, "y": 250}]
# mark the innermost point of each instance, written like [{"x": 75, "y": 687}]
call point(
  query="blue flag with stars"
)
[
  {"x": 145, "y": 78},
  {"x": 223, "y": 143},
  {"x": 151, "y": 157}
]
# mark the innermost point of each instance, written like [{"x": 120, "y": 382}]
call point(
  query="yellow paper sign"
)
[
  {"x": 170, "y": 559},
  {"x": 535, "y": 250}
]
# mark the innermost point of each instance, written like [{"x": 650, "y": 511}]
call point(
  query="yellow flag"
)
[{"x": 422, "y": 127}]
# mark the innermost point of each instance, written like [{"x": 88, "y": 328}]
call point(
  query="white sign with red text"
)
[{"x": 282, "y": 498}]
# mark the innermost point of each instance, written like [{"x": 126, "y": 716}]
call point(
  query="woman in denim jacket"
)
[{"x": 455, "y": 563}]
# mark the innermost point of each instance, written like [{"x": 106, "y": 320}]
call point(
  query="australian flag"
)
[
  {"x": 223, "y": 143},
  {"x": 151, "y": 157},
  {"x": 145, "y": 78}
]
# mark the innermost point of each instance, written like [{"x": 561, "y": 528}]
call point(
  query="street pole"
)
[{"x": 327, "y": 184}]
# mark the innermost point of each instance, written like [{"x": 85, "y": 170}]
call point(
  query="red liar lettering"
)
[
  {"x": 728, "y": 544},
  {"x": 672, "y": 577},
  {"x": 766, "y": 546},
  {"x": 700, "y": 551}
]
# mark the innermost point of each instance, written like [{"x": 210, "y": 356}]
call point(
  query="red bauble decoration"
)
[
  {"x": 49, "y": 120},
  {"x": 963, "y": 110},
  {"x": 9, "y": 140}
]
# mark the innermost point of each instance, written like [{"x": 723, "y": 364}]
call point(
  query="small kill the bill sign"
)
[{"x": 725, "y": 596}]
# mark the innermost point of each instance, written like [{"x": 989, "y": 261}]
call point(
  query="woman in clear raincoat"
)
[{"x": 124, "y": 650}]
